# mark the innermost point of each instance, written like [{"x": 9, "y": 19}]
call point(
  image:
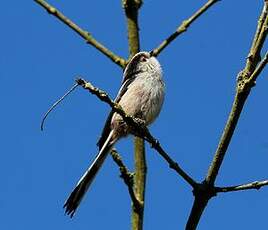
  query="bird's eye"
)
[{"x": 143, "y": 59}]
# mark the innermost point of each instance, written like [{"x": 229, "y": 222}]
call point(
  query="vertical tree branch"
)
[
  {"x": 196, "y": 213},
  {"x": 139, "y": 183},
  {"x": 131, "y": 8}
]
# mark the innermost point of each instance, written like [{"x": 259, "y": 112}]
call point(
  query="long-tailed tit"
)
[{"x": 141, "y": 96}]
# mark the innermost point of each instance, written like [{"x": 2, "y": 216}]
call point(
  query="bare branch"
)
[
  {"x": 246, "y": 76},
  {"x": 84, "y": 34},
  {"x": 183, "y": 27},
  {"x": 245, "y": 82},
  {"x": 253, "y": 185},
  {"x": 260, "y": 26},
  {"x": 139, "y": 129},
  {"x": 127, "y": 177}
]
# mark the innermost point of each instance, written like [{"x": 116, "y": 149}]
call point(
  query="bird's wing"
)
[
  {"x": 129, "y": 76},
  {"x": 106, "y": 129}
]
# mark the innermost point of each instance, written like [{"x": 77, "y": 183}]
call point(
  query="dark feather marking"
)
[{"x": 130, "y": 74}]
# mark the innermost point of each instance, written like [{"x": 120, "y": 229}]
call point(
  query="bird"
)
[{"x": 141, "y": 96}]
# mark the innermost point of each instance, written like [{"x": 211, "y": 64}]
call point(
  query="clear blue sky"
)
[{"x": 39, "y": 60}]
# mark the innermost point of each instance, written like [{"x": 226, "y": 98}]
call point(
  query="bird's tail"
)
[{"x": 83, "y": 184}]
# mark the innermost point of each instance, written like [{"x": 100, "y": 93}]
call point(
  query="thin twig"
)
[
  {"x": 183, "y": 27},
  {"x": 259, "y": 27},
  {"x": 84, "y": 34},
  {"x": 142, "y": 131},
  {"x": 127, "y": 177},
  {"x": 253, "y": 185},
  {"x": 254, "y": 55},
  {"x": 56, "y": 103}
]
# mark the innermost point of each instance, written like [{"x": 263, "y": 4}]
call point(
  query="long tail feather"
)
[{"x": 83, "y": 184}]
